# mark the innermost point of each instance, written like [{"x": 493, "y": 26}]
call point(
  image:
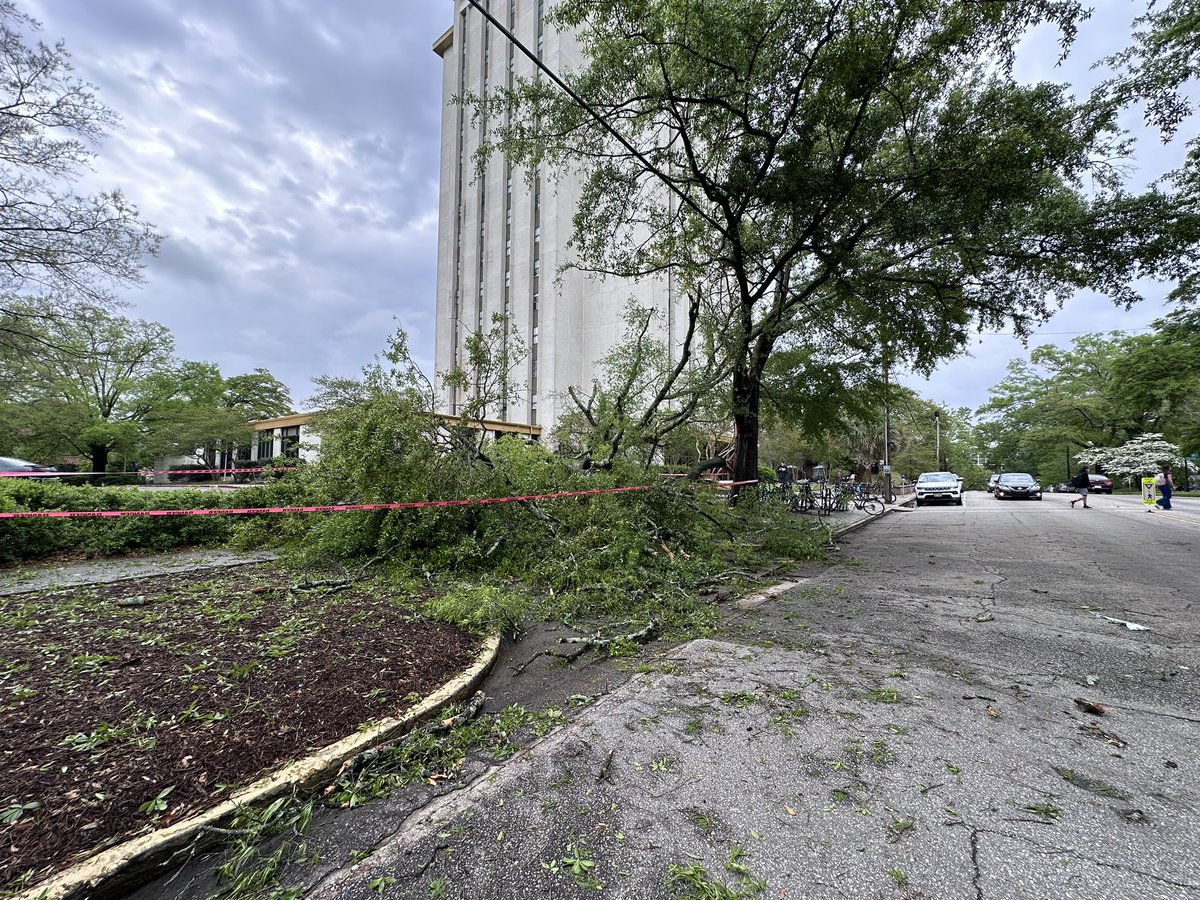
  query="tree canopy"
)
[
  {"x": 830, "y": 171},
  {"x": 1101, "y": 392},
  {"x": 56, "y": 247},
  {"x": 94, "y": 382}
]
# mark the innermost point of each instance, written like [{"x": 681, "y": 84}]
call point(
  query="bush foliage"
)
[
  {"x": 636, "y": 555},
  {"x": 24, "y": 539}
]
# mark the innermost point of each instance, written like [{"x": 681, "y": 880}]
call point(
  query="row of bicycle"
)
[{"x": 824, "y": 498}]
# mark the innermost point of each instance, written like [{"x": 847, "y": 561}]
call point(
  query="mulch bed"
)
[{"x": 165, "y": 693}]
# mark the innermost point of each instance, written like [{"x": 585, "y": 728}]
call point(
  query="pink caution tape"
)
[
  {"x": 114, "y": 513},
  {"x": 144, "y": 472}
]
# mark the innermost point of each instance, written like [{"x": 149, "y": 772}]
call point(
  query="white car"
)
[{"x": 939, "y": 486}]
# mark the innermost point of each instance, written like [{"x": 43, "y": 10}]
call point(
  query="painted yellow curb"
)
[{"x": 130, "y": 863}]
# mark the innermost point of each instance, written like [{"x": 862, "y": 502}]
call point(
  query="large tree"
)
[
  {"x": 818, "y": 168},
  {"x": 191, "y": 410},
  {"x": 1160, "y": 70},
  {"x": 56, "y": 248},
  {"x": 83, "y": 389},
  {"x": 1157, "y": 379},
  {"x": 1056, "y": 402}
]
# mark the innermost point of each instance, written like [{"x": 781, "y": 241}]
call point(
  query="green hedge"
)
[{"x": 26, "y": 539}]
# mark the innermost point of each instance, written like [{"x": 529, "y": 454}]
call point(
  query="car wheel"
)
[
  {"x": 917, "y": 503},
  {"x": 958, "y": 502}
]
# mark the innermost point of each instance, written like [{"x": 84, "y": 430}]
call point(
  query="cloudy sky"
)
[{"x": 289, "y": 152}]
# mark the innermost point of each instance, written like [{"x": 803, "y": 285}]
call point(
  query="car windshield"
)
[
  {"x": 10, "y": 464},
  {"x": 1016, "y": 478},
  {"x": 927, "y": 477}
]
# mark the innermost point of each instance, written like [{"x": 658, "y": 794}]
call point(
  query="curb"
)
[
  {"x": 854, "y": 526},
  {"x": 131, "y": 863}
]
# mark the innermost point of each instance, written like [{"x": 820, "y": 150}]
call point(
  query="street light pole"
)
[
  {"x": 937, "y": 430},
  {"x": 887, "y": 440}
]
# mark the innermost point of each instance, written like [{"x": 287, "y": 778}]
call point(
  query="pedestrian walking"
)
[
  {"x": 1081, "y": 482},
  {"x": 1166, "y": 487}
]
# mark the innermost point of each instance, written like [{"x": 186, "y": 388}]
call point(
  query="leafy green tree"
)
[
  {"x": 193, "y": 410},
  {"x": 56, "y": 247},
  {"x": 1163, "y": 58},
  {"x": 85, "y": 392},
  {"x": 1157, "y": 379},
  {"x": 1057, "y": 400},
  {"x": 1156, "y": 71},
  {"x": 831, "y": 169}
]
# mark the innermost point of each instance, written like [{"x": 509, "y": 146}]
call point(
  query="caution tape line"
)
[
  {"x": 350, "y": 507},
  {"x": 141, "y": 473}
]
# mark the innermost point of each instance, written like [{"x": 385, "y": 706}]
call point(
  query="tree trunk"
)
[
  {"x": 99, "y": 461},
  {"x": 746, "y": 385},
  {"x": 705, "y": 465}
]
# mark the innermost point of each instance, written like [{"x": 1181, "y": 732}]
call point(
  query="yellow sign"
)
[{"x": 1148, "y": 491}]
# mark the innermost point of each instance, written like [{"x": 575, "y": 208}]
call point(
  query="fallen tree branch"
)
[
  {"x": 591, "y": 642},
  {"x": 604, "y": 769}
]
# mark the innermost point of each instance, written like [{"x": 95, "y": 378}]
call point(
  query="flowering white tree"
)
[{"x": 1142, "y": 455}]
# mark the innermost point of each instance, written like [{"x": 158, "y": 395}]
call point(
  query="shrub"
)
[{"x": 25, "y": 539}]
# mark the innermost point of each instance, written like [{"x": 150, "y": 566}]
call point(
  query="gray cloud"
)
[{"x": 289, "y": 151}]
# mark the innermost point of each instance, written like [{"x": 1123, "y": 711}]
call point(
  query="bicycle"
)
[{"x": 871, "y": 505}]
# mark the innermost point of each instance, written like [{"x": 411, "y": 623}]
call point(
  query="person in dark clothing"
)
[
  {"x": 1081, "y": 482},
  {"x": 1166, "y": 487}
]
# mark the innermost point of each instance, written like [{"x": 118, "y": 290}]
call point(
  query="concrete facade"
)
[{"x": 503, "y": 234}]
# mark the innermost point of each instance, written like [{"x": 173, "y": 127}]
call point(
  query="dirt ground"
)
[{"x": 135, "y": 703}]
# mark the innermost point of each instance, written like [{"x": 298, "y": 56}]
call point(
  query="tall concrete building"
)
[{"x": 503, "y": 234}]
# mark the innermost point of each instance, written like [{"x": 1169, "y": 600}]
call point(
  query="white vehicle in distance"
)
[{"x": 939, "y": 486}]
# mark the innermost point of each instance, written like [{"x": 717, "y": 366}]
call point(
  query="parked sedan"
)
[
  {"x": 1018, "y": 486},
  {"x": 1101, "y": 484},
  {"x": 991, "y": 485},
  {"x": 11, "y": 467}
]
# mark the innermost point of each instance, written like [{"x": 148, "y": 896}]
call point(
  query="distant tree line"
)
[{"x": 1101, "y": 392}]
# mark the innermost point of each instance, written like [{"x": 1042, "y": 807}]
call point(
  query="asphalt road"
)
[{"x": 998, "y": 700}]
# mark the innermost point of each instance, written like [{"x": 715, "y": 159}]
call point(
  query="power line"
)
[{"x": 586, "y": 107}]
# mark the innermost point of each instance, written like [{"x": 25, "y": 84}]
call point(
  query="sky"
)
[{"x": 288, "y": 151}]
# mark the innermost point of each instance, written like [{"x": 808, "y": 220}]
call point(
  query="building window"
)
[
  {"x": 266, "y": 445},
  {"x": 289, "y": 439}
]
